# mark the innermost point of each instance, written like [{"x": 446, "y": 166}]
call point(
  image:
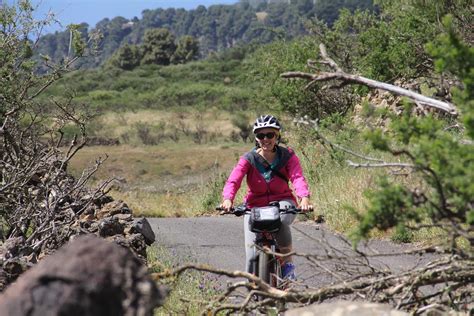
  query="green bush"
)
[
  {"x": 103, "y": 95},
  {"x": 443, "y": 161},
  {"x": 196, "y": 84}
]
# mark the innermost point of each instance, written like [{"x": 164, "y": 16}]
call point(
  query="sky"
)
[{"x": 92, "y": 11}]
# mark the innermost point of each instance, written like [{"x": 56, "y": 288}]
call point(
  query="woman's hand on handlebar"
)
[
  {"x": 305, "y": 205},
  {"x": 227, "y": 205}
]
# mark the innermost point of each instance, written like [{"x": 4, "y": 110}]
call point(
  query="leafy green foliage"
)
[
  {"x": 386, "y": 45},
  {"x": 78, "y": 44},
  {"x": 402, "y": 234},
  {"x": 265, "y": 66},
  {"x": 200, "y": 84},
  {"x": 391, "y": 205},
  {"x": 213, "y": 192},
  {"x": 443, "y": 160},
  {"x": 454, "y": 56},
  {"x": 127, "y": 57},
  {"x": 158, "y": 46},
  {"x": 381, "y": 48},
  {"x": 187, "y": 49}
]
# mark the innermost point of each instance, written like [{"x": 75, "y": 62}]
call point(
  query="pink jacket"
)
[{"x": 260, "y": 192}]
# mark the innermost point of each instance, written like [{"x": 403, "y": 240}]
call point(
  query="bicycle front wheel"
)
[{"x": 263, "y": 271}]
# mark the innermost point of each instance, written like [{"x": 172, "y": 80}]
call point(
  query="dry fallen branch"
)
[
  {"x": 443, "y": 277},
  {"x": 355, "y": 79},
  {"x": 233, "y": 274}
]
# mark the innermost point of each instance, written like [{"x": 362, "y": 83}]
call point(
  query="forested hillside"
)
[{"x": 215, "y": 28}]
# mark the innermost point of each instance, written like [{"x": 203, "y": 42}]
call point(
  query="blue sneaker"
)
[{"x": 288, "y": 271}]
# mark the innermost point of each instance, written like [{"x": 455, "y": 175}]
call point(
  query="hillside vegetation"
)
[{"x": 215, "y": 28}]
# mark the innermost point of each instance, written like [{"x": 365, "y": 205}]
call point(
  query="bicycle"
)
[{"x": 265, "y": 222}]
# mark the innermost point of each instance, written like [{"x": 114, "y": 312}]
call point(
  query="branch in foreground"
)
[
  {"x": 233, "y": 274},
  {"x": 450, "y": 274}
]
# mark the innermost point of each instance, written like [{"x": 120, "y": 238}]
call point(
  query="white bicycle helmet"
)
[{"x": 266, "y": 121}]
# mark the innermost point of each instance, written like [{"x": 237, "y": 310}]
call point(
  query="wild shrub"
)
[
  {"x": 265, "y": 67},
  {"x": 442, "y": 158},
  {"x": 386, "y": 46},
  {"x": 150, "y": 134},
  {"x": 103, "y": 95},
  {"x": 241, "y": 121}
]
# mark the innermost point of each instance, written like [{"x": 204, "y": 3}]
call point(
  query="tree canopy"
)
[{"x": 216, "y": 28}]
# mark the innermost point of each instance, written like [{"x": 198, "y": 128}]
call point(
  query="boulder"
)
[
  {"x": 142, "y": 226},
  {"x": 110, "y": 226},
  {"x": 88, "y": 276}
]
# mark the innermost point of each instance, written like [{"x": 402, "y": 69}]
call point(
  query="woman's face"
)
[{"x": 267, "y": 138}]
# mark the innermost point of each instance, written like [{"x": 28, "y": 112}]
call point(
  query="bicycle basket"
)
[{"x": 265, "y": 219}]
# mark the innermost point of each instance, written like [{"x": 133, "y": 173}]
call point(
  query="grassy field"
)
[
  {"x": 183, "y": 178},
  {"x": 162, "y": 180},
  {"x": 164, "y": 125}
]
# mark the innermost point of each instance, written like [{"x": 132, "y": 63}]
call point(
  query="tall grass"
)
[
  {"x": 333, "y": 184},
  {"x": 338, "y": 189}
]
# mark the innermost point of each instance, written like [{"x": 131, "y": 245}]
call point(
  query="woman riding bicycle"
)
[{"x": 268, "y": 168}]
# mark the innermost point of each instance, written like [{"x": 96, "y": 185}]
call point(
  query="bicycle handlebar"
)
[{"x": 241, "y": 210}]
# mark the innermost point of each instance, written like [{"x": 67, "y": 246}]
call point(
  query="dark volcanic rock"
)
[
  {"x": 142, "y": 226},
  {"x": 89, "y": 276}
]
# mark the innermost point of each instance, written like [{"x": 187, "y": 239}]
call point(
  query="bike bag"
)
[{"x": 265, "y": 219}]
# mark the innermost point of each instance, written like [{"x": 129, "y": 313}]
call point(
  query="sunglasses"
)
[{"x": 268, "y": 135}]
